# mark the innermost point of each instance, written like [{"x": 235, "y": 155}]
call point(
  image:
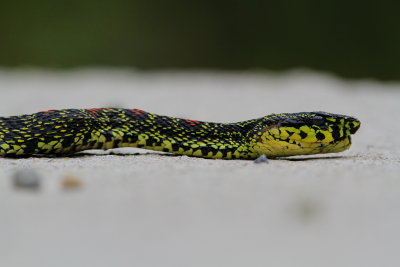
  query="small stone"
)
[
  {"x": 26, "y": 178},
  {"x": 261, "y": 159},
  {"x": 71, "y": 182}
]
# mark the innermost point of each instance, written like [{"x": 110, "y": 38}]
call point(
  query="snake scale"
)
[{"x": 66, "y": 131}]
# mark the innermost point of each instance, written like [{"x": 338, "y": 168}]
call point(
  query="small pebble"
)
[
  {"x": 26, "y": 178},
  {"x": 71, "y": 182},
  {"x": 261, "y": 159}
]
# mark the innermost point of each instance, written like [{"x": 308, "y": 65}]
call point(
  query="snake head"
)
[{"x": 304, "y": 133}]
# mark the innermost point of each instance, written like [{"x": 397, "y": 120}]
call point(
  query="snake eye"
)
[{"x": 318, "y": 120}]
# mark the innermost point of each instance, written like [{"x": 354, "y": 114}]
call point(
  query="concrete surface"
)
[{"x": 159, "y": 210}]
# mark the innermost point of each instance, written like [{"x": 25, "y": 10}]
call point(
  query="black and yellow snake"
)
[{"x": 67, "y": 131}]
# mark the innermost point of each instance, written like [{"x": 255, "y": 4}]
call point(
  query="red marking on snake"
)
[
  {"x": 94, "y": 110},
  {"x": 47, "y": 111},
  {"x": 137, "y": 111},
  {"x": 192, "y": 122}
]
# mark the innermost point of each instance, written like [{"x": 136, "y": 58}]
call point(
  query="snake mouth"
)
[
  {"x": 339, "y": 145},
  {"x": 279, "y": 147}
]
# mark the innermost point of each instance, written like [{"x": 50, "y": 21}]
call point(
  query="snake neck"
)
[
  {"x": 136, "y": 128},
  {"x": 68, "y": 131}
]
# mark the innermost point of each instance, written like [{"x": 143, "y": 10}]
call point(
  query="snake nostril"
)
[{"x": 354, "y": 127}]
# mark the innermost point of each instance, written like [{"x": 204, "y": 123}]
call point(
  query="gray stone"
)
[
  {"x": 261, "y": 159},
  {"x": 26, "y": 178}
]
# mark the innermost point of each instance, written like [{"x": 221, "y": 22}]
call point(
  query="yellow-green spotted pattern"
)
[{"x": 66, "y": 131}]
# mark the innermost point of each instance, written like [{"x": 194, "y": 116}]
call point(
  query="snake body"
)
[{"x": 66, "y": 131}]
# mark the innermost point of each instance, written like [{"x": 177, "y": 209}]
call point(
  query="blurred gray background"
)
[{"x": 350, "y": 38}]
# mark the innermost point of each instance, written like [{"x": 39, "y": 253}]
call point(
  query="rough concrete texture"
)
[{"x": 159, "y": 210}]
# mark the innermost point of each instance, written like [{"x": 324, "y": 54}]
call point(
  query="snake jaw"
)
[{"x": 305, "y": 133}]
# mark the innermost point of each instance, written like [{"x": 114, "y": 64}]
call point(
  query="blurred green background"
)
[{"x": 355, "y": 39}]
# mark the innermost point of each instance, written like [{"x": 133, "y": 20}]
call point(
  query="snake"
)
[{"x": 66, "y": 131}]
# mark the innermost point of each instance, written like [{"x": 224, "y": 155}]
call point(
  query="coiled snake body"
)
[{"x": 67, "y": 131}]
